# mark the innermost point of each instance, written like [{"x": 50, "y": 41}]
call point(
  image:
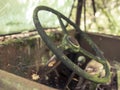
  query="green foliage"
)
[
  {"x": 106, "y": 19},
  {"x": 17, "y": 17}
]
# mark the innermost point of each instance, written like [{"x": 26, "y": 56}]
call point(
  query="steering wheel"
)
[{"x": 71, "y": 43}]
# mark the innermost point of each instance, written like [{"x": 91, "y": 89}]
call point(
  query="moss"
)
[{"x": 20, "y": 40}]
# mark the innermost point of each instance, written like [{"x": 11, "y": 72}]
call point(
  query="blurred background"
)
[{"x": 16, "y": 15}]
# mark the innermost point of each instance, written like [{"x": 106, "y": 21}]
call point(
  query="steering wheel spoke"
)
[
  {"x": 88, "y": 54},
  {"x": 62, "y": 25}
]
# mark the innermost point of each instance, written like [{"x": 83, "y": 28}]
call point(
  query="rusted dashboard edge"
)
[{"x": 10, "y": 81}]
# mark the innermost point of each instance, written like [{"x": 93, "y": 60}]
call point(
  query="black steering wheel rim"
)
[{"x": 59, "y": 54}]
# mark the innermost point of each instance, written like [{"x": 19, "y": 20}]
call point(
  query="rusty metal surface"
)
[
  {"x": 110, "y": 45},
  {"x": 10, "y": 81}
]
